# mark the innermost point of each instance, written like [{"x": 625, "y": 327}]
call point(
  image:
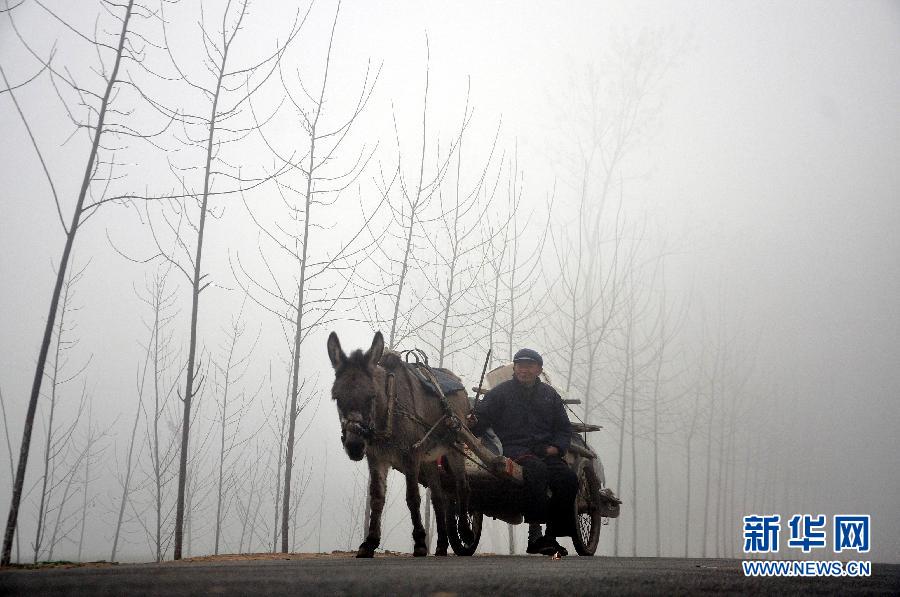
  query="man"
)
[{"x": 530, "y": 419}]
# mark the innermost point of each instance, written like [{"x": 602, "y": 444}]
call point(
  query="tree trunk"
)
[
  {"x": 157, "y": 465},
  {"x": 634, "y": 476},
  {"x": 709, "y": 434},
  {"x": 656, "y": 391},
  {"x": 219, "y": 492},
  {"x": 687, "y": 508},
  {"x": 627, "y": 373},
  {"x": 690, "y": 437},
  {"x": 196, "y": 289},
  {"x": 12, "y": 467},
  {"x": 720, "y": 485},
  {"x": 87, "y": 479}
]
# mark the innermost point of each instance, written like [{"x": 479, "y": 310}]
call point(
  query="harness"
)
[
  {"x": 390, "y": 390},
  {"x": 418, "y": 360}
]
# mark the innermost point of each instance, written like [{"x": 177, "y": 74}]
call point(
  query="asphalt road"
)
[{"x": 480, "y": 575}]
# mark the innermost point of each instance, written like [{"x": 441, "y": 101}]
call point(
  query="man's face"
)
[{"x": 526, "y": 372}]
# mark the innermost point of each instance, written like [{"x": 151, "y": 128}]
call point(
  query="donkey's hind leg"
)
[
  {"x": 377, "y": 485},
  {"x": 414, "y": 501},
  {"x": 439, "y": 502}
]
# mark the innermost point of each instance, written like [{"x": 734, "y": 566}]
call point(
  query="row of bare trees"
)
[{"x": 204, "y": 102}]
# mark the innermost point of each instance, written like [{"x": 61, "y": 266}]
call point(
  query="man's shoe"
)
[
  {"x": 543, "y": 545},
  {"x": 559, "y": 550}
]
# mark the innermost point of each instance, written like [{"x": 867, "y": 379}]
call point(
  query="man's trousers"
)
[{"x": 557, "y": 510}]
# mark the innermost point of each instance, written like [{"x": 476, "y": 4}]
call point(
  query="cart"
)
[{"x": 496, "y": 489}]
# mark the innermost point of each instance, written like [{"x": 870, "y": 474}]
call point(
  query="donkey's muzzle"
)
[
  {"x": 353, "y": 436},
  {"x": 356, "y": 449}
]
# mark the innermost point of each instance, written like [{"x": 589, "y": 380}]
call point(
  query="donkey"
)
[{"x": 365, "y": 411}]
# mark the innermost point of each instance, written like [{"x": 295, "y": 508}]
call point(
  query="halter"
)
[{"x": 370, "y": 432}]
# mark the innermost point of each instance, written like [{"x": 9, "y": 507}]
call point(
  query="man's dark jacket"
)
[{"x": 525, "y": 419}]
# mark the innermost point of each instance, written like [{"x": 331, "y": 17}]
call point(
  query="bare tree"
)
[
  {"x": 279, "y": 453},
  {"x": 397, "y": 259},
  {"x": 712, "y": 379},
  {"x": 633, "y": 366},
  {"x": 609, "y": 115},
  {"x": 228, "y": 375},
  {"x": 92, "y": 455},
  {"x": 322, "y": 500},
  {"x": 220, "y": 74},
  {"x": 351, "y": 515},
  {"x": 224, "y": 95},
  {"x": 611, "y": 111},
  {"x": 70, "y": 480},
  {"x": 248, "y": 512},
  {"x": 693, "y": 422},
  {"x": 129, "y": 459},
  {"x": 157, "y": 391},
  {"x": 149, "y": 371},
  {"x": 64, "y": 524},
  {"x": 458, "y": 250},
  {"x": 666, "y": 328},
  {"x": 98, "y": 108},
  {"x": 302, "y": 306},
  {"x": 517, "y": 268},
  {"x": 58, "y": 438},
  {"x": 12, "y": 468}
]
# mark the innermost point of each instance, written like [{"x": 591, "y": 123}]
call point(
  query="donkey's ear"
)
[
  {"x": 373, "y": 355},
  {"x": 335, "y": 353}
]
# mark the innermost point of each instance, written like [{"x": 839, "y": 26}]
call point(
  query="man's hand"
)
[
  {"x": 471, "y": 420},
  {"x": 551, "y": 451}
]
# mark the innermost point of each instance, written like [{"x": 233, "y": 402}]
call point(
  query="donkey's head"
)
[{"x": 354, "y": 391}]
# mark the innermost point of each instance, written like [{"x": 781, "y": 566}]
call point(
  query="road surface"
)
[{"x": 398, "y": 575}]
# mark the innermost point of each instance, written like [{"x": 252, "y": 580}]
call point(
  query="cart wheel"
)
[
  {"x": 587, "y": 509},
  {"x": 460, "y": 547}
]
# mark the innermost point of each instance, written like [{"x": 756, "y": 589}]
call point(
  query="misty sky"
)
[{"x": 769, "y": 171}]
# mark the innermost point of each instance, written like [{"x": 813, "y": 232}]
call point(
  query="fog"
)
[{"x": 718, "y": 183}]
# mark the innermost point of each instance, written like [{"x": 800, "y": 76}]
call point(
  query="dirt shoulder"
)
[{"x": 233, "y": 557}]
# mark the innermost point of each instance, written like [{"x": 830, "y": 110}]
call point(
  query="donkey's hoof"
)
[
  {"x": 420, "y": 551},
  {"x": 366, "y": 550},
  {"x": 440, "y": 550}
]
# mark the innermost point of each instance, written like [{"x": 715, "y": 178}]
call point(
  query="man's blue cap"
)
[{"x": 526, "y": 354}]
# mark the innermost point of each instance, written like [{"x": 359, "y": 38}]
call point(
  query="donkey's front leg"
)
[
  {"x": 414, "y": 501},
  {"x": 377, "y": 485}
]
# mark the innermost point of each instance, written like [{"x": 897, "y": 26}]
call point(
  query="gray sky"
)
[{"x": 771, "y": 170}]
